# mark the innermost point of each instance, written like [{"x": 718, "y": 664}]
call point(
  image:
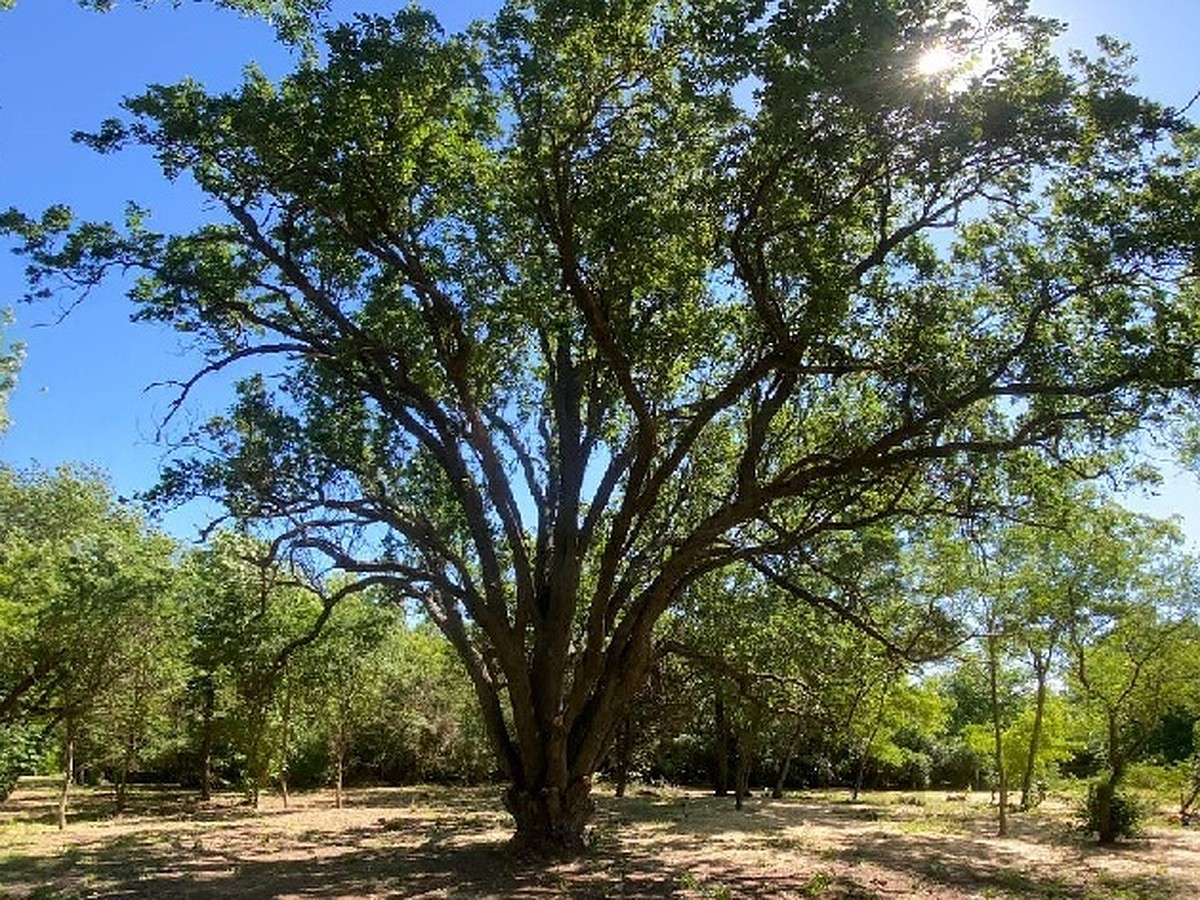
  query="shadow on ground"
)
[{"x": 433, "y": 842}]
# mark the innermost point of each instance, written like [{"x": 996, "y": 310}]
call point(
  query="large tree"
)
[{"x": 553, "y": 317}]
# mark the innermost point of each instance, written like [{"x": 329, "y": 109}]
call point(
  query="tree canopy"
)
[{"x": 549, "y": 319}]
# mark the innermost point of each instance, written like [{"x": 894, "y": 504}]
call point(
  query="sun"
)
[
  {"x": 936, "y": 60},
  {"x": 955, "y": 65}
]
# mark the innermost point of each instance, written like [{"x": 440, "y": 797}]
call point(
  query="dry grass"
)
[{"x": 441, "y": 842}]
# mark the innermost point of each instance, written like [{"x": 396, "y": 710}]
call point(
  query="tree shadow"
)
[
  {"x": 972, "y": 865},
  {"x": 450, "y": 862},
  {"x": 409, "y": 843}
]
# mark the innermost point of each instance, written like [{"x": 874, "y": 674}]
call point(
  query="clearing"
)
[{"x": 451, "y": 842}]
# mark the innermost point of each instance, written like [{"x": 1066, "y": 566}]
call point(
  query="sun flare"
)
[
  {"x": 955, "y": 64},
  {"x": 937, "y": 60}
]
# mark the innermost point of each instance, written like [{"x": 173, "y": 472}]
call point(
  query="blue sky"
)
[{"x": 84, "y": 392}]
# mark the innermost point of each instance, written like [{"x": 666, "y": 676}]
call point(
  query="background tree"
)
[
  {"x": 425, "y": 723},
  {"x": 564, "y": 323},
  {"x": 342, "y": 678},
  {"x": 132, "y": 722},
  {"x": 1132, "y": 644},
  {"x": 249, "y": 616},
  {"x": 79, "y": 578}
]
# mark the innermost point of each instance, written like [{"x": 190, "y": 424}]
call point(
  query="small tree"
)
[
  {"x": 1133, "y": 648},
  {"x": 250, "y": 615},
  {"x": 80, "y": 575}
]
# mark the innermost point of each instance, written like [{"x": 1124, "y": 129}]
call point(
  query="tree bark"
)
[
  {"x": 745, "y": 756},
  {"x": 1186, "y": 800},
  {"x": 786, "y": 767},
  {"x": 338, "y": 780},
  {"x": 722, "y": 746},
  {"x": 624, "y": 754},
  {"x": 123, "y": 778},
  {"x": 1107, "y": 830},
  {"x": 551, "y": 821},
  {"x": 206, "y": 740},
  {"x": 1035, "y": 735},
  {"x": 283, "y": 743},
  {"x": 68, "y": 774},
  {"x": 997, "y": 729},
  {"x": 338, "y": 748},
  {"x": 1106, "y": 825},
  {"x": 865, "y": 756}
]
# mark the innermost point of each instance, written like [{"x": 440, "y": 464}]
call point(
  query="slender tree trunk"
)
[
  {"x": 722, "y": 745},
  {"x": 993, "y": 644},
  {"x": 865, "y": 755},
  {"x": 1035, "y": 735},
  {"x": 283, "y": 744},
  {"x": 745, "y": 757},
  {"x": 338, "y": 779},
  {"x": 860, "y": 771},
  {"x": 1187, "y": 800},
  {"x": 338, "y": 748},
  {"x": 123, "y": 777},
  {"x": 1106, "y": 824},
  {"x": 256, "y": 763},
  {"x": 624, "y": 754},
  {"x": 786, "y": 767},
  {"x": 1106, "y": 791},
  {"x": 206, "y": 740},
  {"x": 68, "y": 773}
]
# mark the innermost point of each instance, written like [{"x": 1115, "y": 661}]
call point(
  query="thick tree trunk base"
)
[{"x": 551, "y": 822}]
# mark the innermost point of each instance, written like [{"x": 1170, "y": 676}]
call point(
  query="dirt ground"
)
[{"x": 442, "y": 843}]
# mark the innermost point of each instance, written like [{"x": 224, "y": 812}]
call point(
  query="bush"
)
[
  {"x": 18, "y": 750},
  {"x": 1125, "y": 809}
]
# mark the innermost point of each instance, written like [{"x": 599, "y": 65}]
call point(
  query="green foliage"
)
[
  {"x": 560, "y": 324},
  {"x": 85, "y": 588},
  {"x": 1057, "y": 744},
  {"x": 249, "y": 614},
  {"x": 1120, "y": 812},
  {"x": 11, "y": 355},
  {"x": 293, "y": 19},
  {"x": 19, "y": 745}
]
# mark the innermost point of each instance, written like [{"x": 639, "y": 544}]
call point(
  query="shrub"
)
[
  {"x": 18, "y": 750},
  {"x": 1126, "y": 813}
]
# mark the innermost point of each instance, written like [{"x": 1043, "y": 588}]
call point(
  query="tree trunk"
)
[
  {"x": 722, "y": 746},
  {"x": 1186, "y": 800},
  {"x": 786, "y": 767},
  {"x": 551, "y": 820},
  {"x": 123, "y": 777},
  {"x": 283, "y": 742},
  {"x": 865, "y": 755},
  {"x": 624, "y": 753},
  {"x": 1035, "y": 735},
  {"x": 68, "y": 775},
  {"x": 1106, "y": 824},
  {"x": 860, "y": 773},
  {"x": 1107, "y": 828},
  {"x": 206, "y": 741},
  {"x": 338, "y": 776},
  {"x": 745, "y": 756},
  {"x": 997, "y": 730},
  {"x": 338, "y": 748}
]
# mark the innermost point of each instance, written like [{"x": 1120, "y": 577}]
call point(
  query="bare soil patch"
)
[{"x": 452, "y": 843}]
